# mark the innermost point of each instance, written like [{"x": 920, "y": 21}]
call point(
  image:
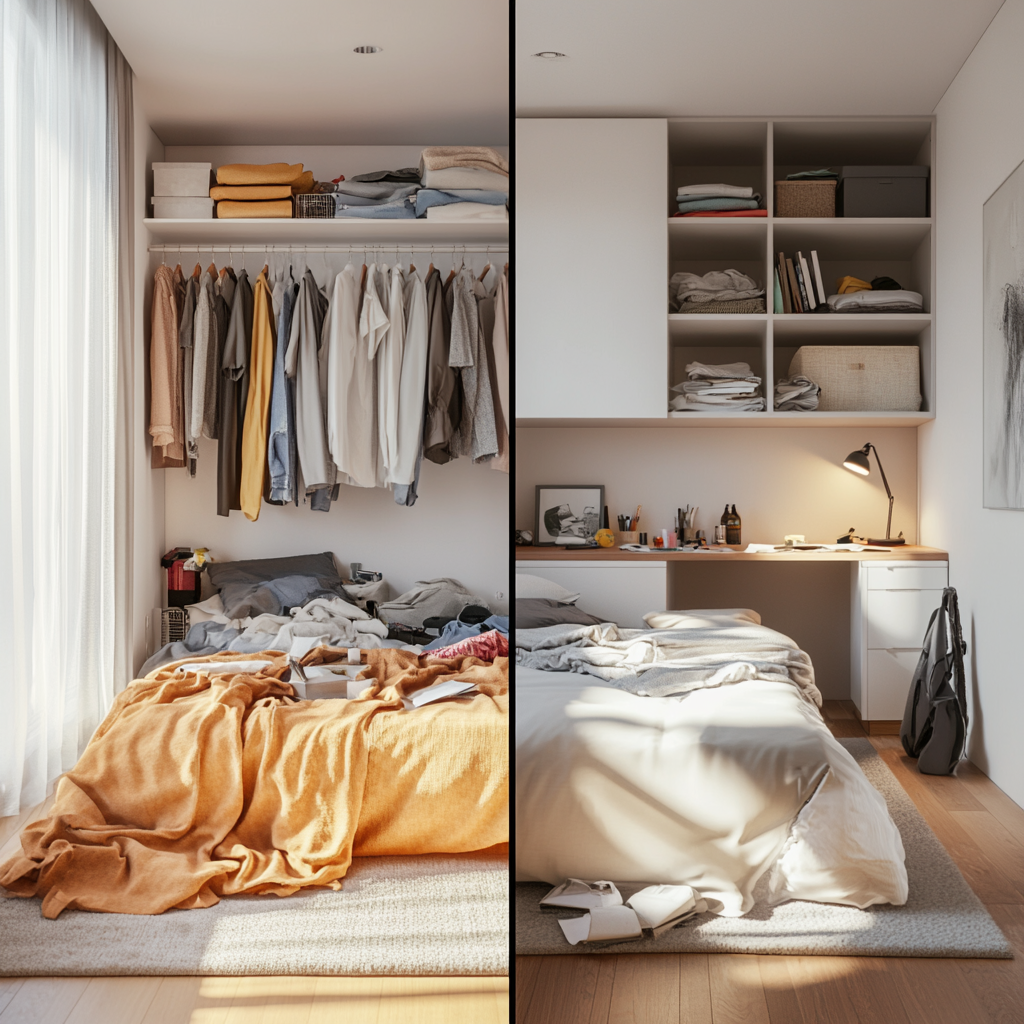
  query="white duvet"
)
[{"x": 713, "y": 789}]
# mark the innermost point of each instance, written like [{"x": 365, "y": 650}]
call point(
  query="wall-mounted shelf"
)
[
  {"x": 325, "y": 232},
  {"x": 749, "y": 419}
]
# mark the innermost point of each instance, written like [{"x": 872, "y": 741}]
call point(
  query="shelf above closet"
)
[
  {"x": 325, "y": 232},
  {"x": 750, "y": 419}
]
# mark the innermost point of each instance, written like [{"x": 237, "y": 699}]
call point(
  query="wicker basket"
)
[
  {"x": 862, "y": 378},
  {"x": 805, "y": 198},
  {"x": 317, "y": 205}
]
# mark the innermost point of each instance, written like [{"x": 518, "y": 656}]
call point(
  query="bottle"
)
[
  {"x": 733, "y": 524},
  {"x": 725, "y": 516}
]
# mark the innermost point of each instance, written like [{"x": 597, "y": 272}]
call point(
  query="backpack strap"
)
[{"x": 951, "y": 608}]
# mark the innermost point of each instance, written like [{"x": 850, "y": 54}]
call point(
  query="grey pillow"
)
[
  {"x": 236, "y": 580},
  {"x": 274, "y": 597},
  {"x": 534, "y": 612}
]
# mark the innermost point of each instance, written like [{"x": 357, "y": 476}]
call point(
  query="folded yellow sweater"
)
[
  {"x": 251, "y": 192},
  {"x": 275, "y": 208},
  {"x": 848, "y": 284},
  {"x": 436, "y": 158},
  {"x": 258, "y": 174},
  {"x": 303, "y": 183}
]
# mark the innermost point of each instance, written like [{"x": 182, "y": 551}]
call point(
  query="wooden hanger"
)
[
  {"x": 485, "y": 272},
  {"x": 197, "y": 272},
  {"x": 212, "y": 270}
]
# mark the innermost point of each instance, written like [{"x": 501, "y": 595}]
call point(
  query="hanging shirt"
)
[
  {"x": 443, "y": 408},
  {"x": 389, "y": 373},
  {"x": 165, "y": 426},
  {"x": 282, "y": 415},
  {"x": 223, "y": 296},
  {"x": 204, "y": 353},
  {"x": 186, "y": 332},
  {"x": 315, "y": 463},
  {"x": 257, "y": 408},
  {"x": 234, "y": 392},
  {"x": 499, "y": 346},
  {"x": 485, "y": 298},
  {"x": 476, "y": 435},
  {"x": 412, "y": 387},
  {"x": 373, "y": 329},
  {"x": 351, "y": 386}
]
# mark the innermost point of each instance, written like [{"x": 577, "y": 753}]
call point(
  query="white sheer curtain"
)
[{"x": 64, "y": 494}]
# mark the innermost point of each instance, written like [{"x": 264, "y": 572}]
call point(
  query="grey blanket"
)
[{"x": 665, "y": 662}]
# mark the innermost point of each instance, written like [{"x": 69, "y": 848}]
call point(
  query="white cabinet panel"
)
[
  {"x": 622, "y": 592},
  {"x": 906, "y": 577},
  {"x": 591, "y": 267},
  {"x": 889, "y": 677},
  {"x": 899, "y": 618}
]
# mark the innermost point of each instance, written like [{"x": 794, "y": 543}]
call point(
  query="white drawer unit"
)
[
  {"x": 891, "y": 605},
  {"x": 623, "y": 592}
]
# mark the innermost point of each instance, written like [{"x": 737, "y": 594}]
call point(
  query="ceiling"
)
[
  {"x": 239, "y": 72},
  {"x": 662, "y": 58}
]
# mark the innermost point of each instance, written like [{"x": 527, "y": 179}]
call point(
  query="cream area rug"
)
[
  {"x": 441, "y": 914},
  {"x": 942, "y": 917}
]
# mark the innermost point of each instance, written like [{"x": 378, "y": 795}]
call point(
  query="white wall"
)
[
  {"x": 459, "y": 526},
  {"x": 148, "y": 533},
  {"x": 980, "y": 140}
]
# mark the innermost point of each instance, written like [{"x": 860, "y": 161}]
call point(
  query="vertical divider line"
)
[
  {"x": 668, "y": 270},
  {"x": 769, "y": 289}
]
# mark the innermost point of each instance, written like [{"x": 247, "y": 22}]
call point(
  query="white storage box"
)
[
  {"x": 179, "y": 179},
  {"x": 183, "y": 207},
  {"x": 862, "y": 378}
]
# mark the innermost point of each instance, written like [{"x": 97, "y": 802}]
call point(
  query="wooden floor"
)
[
  {"x": 983, "y": 830},
  {"x": 283, "y": 1000}
]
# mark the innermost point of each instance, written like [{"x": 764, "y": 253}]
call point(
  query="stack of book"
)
[{"x": 799, "y": 288}]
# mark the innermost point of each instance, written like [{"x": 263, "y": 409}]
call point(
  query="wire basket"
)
[
  {"x": 173, "y": 625},
  {"x": 805, "y": 198},
  {"x": 316, "y": 205}
]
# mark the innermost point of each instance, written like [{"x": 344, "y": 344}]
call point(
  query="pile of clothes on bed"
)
[{"x": 268, "y": 604}]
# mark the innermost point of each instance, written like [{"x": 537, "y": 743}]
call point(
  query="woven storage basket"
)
[
  {"x": 862, "y": 378},
  {"x": 315, "y": 205},
  {"x": 805, "y": 198},
  {"x": 735, "y": 306}
]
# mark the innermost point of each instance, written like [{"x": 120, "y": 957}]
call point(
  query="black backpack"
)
[{"x": 934, "y": 728}]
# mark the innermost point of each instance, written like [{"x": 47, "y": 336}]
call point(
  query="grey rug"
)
[
  {"x": 942, "y": 916},
  {"x": 441, "y": 915}
]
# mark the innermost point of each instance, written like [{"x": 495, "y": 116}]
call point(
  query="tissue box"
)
[{"x": 183, "y": 207}]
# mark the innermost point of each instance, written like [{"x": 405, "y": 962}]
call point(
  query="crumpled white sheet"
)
[
  {"x": 343, "y": 624},
  {"x": 664, "y": 662}
]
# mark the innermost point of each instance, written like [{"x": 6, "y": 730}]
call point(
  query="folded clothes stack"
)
[
  {"x": 451, "y": 183},
  {"x": 719, "y": 291},
  {"x": 463, "y": 183},
  {"x": 797, "y": 394},
  {"x": 882, "y": 295},
  {"x": 718, "y": 201},
  {"x": 730, "y": 387},
  {"x": 259, "y": 190}
]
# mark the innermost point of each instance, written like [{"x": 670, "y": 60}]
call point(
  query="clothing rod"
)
[{"x": 374, "y": 247}]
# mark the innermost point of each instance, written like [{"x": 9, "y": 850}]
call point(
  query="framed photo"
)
[{"x": 568, "y": 513}]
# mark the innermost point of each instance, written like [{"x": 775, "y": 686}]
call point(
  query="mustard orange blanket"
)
[{"x": 197, "y": 786}]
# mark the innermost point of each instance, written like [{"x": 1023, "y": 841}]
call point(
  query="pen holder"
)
[
  {"x": 627, "y": 537},
  {"x": 689, "y": 534}
]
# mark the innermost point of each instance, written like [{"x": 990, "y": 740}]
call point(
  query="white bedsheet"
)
[{"x": 710, "y": 790}]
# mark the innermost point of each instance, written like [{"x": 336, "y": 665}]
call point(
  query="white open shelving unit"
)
[{"x": 757, "y": 152}]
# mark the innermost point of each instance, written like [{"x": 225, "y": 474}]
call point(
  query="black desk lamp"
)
[{"x": 857, "y": 462}]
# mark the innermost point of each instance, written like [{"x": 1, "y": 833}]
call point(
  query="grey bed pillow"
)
[
  {"x": 238, "y": 582},
  {"x": 534, "y": 612}
]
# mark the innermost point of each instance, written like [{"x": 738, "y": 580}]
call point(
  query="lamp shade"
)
[{"x": 857, "y": 462}]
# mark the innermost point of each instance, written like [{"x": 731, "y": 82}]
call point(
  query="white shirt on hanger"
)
[{"x": 412, "y": 389}]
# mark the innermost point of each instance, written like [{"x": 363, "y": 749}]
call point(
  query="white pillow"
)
[
  {"x": 694, "y": 618},
  {"x": 538, "y": 587}
]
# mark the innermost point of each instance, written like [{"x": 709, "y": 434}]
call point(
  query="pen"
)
[{"x": 636, "y": 518}]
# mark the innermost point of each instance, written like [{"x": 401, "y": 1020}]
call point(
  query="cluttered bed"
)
[
  {"x": 211, "y": 775},
  {"x": 691, "y": 756}
]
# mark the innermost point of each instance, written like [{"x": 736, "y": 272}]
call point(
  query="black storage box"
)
[{"x": 882, "y": 192}]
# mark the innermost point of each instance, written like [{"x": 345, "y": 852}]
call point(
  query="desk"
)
[{"x": 862, "y": 623}]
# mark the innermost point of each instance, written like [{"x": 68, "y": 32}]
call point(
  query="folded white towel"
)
[
  {"x": 467, "y": 211},
  {"x": 729, "y": 371},
  {"x": 716, "y": 285},
  {"x": 727, "y": 191},
  {"x": 884, "y": 300}
]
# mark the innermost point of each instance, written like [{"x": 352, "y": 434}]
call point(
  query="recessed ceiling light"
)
[
  {"x": 550, "y": 55},
  {"x": 368, "y": 49}
]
